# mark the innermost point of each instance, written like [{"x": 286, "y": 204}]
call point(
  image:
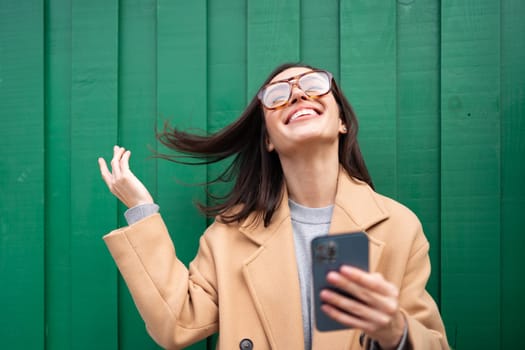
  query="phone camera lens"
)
[{"x": 332, "y": 251}]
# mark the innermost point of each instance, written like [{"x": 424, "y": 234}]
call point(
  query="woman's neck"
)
[{"x": 311, "y": 179}]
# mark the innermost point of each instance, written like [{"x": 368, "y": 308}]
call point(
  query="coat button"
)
[
  {"x": 246, "y": 344},
  {"x": 362, "y": 338}
]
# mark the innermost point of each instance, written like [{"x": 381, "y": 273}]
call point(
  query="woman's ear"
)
[
  {"x": 269, "y": 145},
  {"x": 342, "y": 128}
]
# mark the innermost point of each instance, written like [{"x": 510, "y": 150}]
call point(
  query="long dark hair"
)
[{"x": 257, "y": 173}]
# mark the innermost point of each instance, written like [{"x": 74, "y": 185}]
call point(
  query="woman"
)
[{"x": 298, "y": 174}]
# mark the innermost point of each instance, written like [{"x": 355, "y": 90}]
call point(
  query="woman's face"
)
[{"x": 304, "y": 121}]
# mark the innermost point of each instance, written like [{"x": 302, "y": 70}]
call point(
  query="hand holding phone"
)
[{"x": 329, "y": 253}]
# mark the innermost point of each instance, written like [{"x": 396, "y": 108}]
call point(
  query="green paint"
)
[
  {"x": 94, "y": 107},
  {"x": 470, "y": 173},
  {"x": 418, "y": 128},
  {"x": 368, "y": 78},
  {"x": 320, "y": 35},
  {"x": 512, "y": 173},
  {"x": 272, "y": 38},
  {"x": 58, "y": 178},
  {"x": 22, "y": 235}
]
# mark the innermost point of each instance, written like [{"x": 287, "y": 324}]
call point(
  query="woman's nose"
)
[{"x": 297, "y": 94}]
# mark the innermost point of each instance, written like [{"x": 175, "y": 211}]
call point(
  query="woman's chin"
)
[{"x": 306, "y": 143}]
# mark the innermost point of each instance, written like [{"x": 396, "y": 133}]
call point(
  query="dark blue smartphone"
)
[{"x": 329, "y": 253}]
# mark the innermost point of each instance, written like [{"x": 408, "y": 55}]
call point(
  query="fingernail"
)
[
  {"x": 347, "y": 269},
  {"x": 322, "y": 296},
  {"x": 332, "y": 276}
]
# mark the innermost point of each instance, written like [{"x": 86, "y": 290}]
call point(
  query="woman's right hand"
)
[{"x": 121, "y": 181}]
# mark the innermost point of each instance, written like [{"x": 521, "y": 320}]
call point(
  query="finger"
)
[
  {"x": 104, "y": 171},
  {"x": 350, "y": 320},
  {"x": 115, "y": 162},
  {"x": 386, "y": 303},
  {"x": 339, "y": 281},
  {"x": 374, "y": 282},
  {"x": 355, "y": 308},
  {"x": 344, "y": 318},
  {"x": 124, "y": 161}
]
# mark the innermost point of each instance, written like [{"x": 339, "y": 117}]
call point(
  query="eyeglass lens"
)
[{"x": 312, "y": 84}]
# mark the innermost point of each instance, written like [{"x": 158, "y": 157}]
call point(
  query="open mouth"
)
[{"x": 302, "y": 113}]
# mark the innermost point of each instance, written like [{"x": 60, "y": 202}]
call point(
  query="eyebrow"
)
[{"x": 291, "y": 78}]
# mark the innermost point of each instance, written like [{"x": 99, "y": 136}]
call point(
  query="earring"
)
[{"x": 344, "y": 129}]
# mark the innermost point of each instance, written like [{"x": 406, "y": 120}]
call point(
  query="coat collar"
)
[{"x": 357, "y": 208}]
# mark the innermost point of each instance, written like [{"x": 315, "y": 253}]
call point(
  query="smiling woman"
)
[
  {"x": 298, "y": 174},
  {"x": 258, "y": 187},
  {"x": 307, "y": 120}
]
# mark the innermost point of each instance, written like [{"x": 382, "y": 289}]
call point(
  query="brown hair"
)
[{"x": 257, "y": 173}]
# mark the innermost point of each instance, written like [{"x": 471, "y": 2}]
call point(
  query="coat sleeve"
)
[
  {"x": 179, "y": 306},
  {"x": 425, "y": 326}
]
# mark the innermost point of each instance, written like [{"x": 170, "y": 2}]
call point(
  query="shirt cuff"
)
[
  {"x": 140, "y": 211},
  {"x": 402, "y": 343}
]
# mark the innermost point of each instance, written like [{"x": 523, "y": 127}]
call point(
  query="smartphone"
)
[{"x": 329, "y": 253}]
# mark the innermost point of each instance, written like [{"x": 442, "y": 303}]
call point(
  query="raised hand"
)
[{"x": 121, "y": 181}]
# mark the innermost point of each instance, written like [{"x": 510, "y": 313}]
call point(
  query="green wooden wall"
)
[{"x": 438, "y": 86}]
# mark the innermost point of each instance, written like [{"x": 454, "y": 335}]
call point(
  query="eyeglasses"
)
[{"x": 313, "y": 83}]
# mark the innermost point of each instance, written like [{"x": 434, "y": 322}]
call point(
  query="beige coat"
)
[{"x": 244, "y": 279}]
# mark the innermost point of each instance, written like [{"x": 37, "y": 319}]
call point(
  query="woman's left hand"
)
[{"x": 376, "y": 309}]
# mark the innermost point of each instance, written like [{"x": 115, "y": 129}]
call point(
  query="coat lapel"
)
[
  {"x": 341, "y": 223},
  {"x": 357, "y": 209},
  {"x": 273, "y": 281},
  {"x": 278, "y": 298}
]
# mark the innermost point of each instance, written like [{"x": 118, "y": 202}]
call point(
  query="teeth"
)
[{"x": 302, "y": 112}]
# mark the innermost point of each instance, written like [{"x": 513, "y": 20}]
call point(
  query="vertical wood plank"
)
[
  {"x": 368, "y": 77},
  {"x": 471, "y": 172},
  {"x": 226, "y": 72},
  {"x": 137, "y": 118},
  {"x": 94, "y": 111},
  {"x": 57, "y": 181},
  {"x": 418, "y": 129},
  {"x": 272, "y": 38},
  {"x": 226, "y": 62},
  {"x": 22, "y": 174},
  {"x": 182, "y": 99},
  {"x": 512, "y": 173},
  {"x": 320, "y": 34}
]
